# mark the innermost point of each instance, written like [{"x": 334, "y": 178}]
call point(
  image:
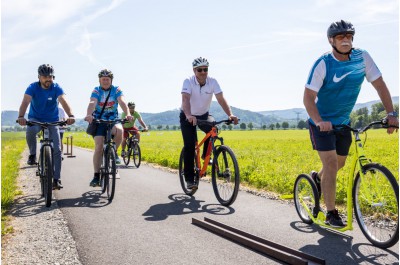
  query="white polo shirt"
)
[{"x": 200, "y": 98}]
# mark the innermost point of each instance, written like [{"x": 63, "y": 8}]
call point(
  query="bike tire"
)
[
  {"x": 182, "y": 175},
  {"x": 128, "y": 153},
  {"x": 225, "y": 175},
  {"x": 305, "y": 190},
  {"x": 111, "y": 173},
  {"x": 376, "y": 205},
  {"x": 48, "y": 171},
  {"x": 136, "y": 153}
]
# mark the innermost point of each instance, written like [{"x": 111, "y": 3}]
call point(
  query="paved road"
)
[{"x": 149, "y": 222}]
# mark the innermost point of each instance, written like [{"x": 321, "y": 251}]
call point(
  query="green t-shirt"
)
[{"x": 135, "y": 115}]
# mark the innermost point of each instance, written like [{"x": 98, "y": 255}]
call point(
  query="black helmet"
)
[
  {"x": 131, "y": 104},
  {"x": 340, "y": 27},
  {"x": 106, "y": 73},
  {"x": 46, "y": 70}
]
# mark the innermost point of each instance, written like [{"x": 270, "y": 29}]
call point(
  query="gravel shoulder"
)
[{"x": 41, "y": 235}]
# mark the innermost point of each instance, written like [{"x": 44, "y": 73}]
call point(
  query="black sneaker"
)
[
  {"x": 95, "y": 182},
  {"x": 31, "y": 160},
  {"x": 317, "y": 181},
  {"x": 191, "y": 185},
  {"x": 57, "y": 184},
  {"x": 333, "y": 219}
]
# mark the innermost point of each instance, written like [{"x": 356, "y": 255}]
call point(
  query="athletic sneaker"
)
[
  {"x": 117, "y": 160},
  {"x": 317, "y": 181},
  {"x": 191, "y": 185},
  {"x": 123, "y": 154},
  {"x": 333, "y": 219},
  {"x": 31, "y": 160},
  {"x": 57, "y": 184},
  {"x": 95, "y": 182}
]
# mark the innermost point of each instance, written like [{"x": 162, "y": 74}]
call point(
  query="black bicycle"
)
[
  {"x": 108, "y": 169},
  {"x": 45, "y": 169},
  {"x": 133, "y": 149}
]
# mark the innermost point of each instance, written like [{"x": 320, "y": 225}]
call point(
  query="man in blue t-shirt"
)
[
  {"x": 43, "y": 97},
  {"x": 110, "y": 112},
  {"x": 330, "y": 94}
]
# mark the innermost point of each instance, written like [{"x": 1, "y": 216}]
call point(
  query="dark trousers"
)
[{"x": 189, "y": 135}]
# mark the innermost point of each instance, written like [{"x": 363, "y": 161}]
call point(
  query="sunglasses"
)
[{"x": 199, "y": 70}]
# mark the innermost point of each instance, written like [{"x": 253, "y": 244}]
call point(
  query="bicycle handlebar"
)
[
  {"x": 213, "y": 123},
  {"x": 45, "y": 124},
  {"x": 383, "y": 123},
  {"x": 122, "y": 121}
]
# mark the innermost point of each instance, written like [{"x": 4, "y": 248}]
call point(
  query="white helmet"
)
[{"x": 200, "y": 62}]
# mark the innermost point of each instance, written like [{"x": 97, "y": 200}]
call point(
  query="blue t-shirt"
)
[
  {"x": 338, "y": 84},
  {"x": 44, "y": 103},
  {"x": 111, "y": 110}
]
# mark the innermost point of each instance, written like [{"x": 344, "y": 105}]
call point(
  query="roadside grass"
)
[
  {"x": 268, "y": 160},
  {"x": 12, "y": 145}
]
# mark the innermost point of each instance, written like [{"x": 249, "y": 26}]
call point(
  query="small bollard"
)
[{"x": 69, "y": 143}]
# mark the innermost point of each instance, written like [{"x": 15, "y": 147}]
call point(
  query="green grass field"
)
[
  {"x": 268, "y": 160},
  {"x": 12, "y": 145}
]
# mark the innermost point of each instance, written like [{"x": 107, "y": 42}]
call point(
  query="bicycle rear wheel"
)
[
  {"x": 182, "y": 175},
  {"x": 225, "y": 175},
  {"x": 137, "y": 155},
  {"x": 376, "y": 205},
  {"x": 306, "y": 198},
  {"x": 47, "y": 178}
]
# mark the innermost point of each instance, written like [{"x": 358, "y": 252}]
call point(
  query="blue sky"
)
[{"x": 260, "y": 51}]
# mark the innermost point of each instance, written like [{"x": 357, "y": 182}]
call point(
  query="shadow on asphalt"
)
[
  {"x": 30, "y": 205},
  {"x": 91, "y": 199},
  {"x": 183, "y": 204},
  {"x": 337, "y": 248}
]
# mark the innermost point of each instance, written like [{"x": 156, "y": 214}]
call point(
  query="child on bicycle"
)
[{"x": 130, "y": 127}]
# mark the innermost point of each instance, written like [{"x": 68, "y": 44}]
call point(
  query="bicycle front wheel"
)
[
  {"x": 306, "y": 198},
  {"x": 47, "y": 178},
  {"x": 225, "y": 175},
  {"x": 182, "y": 175},
  {"x": 112, "y": 172},
  {"x": 137, "y": 155},
  {"x": 376, "y": 204},
  {"x": 128, "y": 155}
]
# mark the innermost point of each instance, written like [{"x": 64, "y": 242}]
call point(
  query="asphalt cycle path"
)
[{"x": 150, "y": 222}]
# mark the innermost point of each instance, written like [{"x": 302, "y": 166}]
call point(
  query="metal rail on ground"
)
[{"x": 277, "y": 251}]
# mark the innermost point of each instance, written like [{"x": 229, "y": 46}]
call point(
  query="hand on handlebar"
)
[
  {"x": 324, "y": 126},
  {"x": 234, "y": 119},
  {"x": 392, "y": 122},
  {"x": 21, "y": 121}
]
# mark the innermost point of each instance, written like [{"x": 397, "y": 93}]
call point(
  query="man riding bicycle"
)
[
  {"x": 130, "y": 127},
  {"x": 43, "y": 97},
  {"x": 114, "y": 96},
  {"x": 197, "y": 93},
  {"x": 330, "y": 94}
]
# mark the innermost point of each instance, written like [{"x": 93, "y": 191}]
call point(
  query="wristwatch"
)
[{"x": 393, "y": 114}]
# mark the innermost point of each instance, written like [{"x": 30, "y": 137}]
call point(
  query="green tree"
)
[
  {"x": 243, "y": 126},
  {"x": 230, "y": 127},
  {"x": 250, "y": 126},
  {"x": 285, "y": 125},
  {"x": 224, "y": 127},
  {"x": 271, "y": 126},
  {"x": 301, "y": 125},
  {"x": 264, "y": 127},
  {"x": 277, "y": 125}
]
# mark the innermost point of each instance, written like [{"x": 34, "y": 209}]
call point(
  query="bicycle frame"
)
[{"x": 212, "y": 135}]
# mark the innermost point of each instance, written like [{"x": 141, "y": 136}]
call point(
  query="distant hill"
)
[
  {"x": 291, "y": 114},
  {"x": 171, "y": 117}
]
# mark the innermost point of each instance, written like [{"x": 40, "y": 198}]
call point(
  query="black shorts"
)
[{"x": 332, "y": 140}]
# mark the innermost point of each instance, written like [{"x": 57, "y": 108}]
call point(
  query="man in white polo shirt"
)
[{"x": 197, "y": 93}]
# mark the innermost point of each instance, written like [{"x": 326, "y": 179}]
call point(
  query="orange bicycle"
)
[{"x": 225, "y": 169}]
